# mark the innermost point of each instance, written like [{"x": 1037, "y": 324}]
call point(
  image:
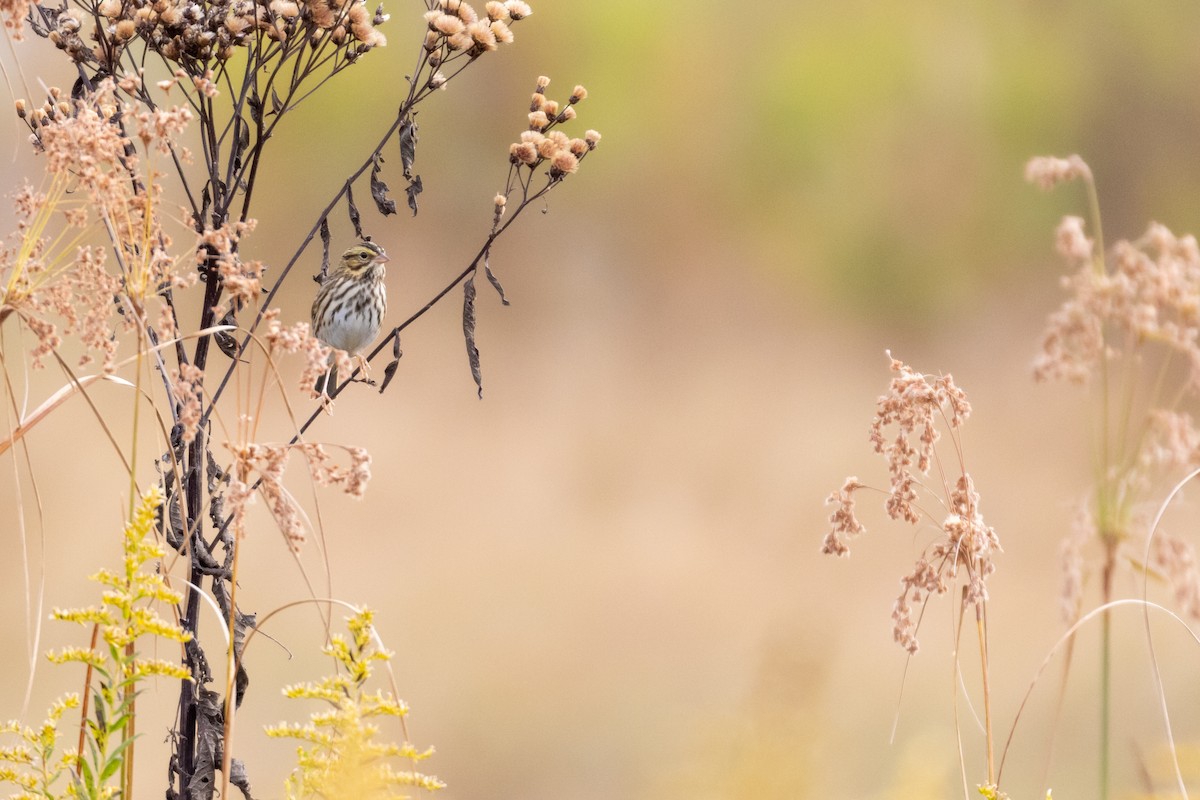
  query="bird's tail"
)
[{"x": 329, "y": 380}]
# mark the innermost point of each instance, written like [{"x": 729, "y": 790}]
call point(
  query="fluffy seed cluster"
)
[
  {"x": 56, "y": 293},
  {"x": 83, "y": 139},
  {"x": 1046, "y": 172},
  {"x": 56, "y": 108},
  {"x": 93, "y": 176},
  {"x": 242, "y": 279},
  {"x": 1132, "y": 317},
  {"x": 540, "y": 144},
  {"x": 1071, "y": 561},
  {"x": 456, "y": 29},
  {"x": 298, "y": 339},
  {"x": 905, "y": 431},
  {"x": 266, "y": 463},
  {"x": 196, "y": 31},
  {"x": 1175, "y": 558},
  {"x": 187, "y": 386},
  {"x": 14, "y": 13},
  {"x": 1150, "y": 293},
  {"x": 913, "y": 405}
]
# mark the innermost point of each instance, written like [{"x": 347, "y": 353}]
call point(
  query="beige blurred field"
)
[{"x": 603, "y": 579}]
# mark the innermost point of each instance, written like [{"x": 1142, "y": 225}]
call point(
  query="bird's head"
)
[{"x": 362, "y": 257}]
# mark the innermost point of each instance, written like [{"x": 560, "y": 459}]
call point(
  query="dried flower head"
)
[
  {"x": 1174, "y": 557},
  {"x": 518, "y": 10},
  {"x": 906, "y": 430},
  {"x": 187, "y": 384},
  {"x": 448, "y": 25},
  {"x": 298, "y": 339},
  {"x": 914, "y": 404},
  {"x": 482, "y": 36},
  {"x": 500, "y": 30},
  {"x": 542, "y": 142},
  {"x": 1150, "y": 294},
  {"x": 523, "y": 153},
  {"x": 1046, "y": 172},
  {"x": 265, "y": 463},
  {"x": 564, "y": 163},
  {"x": 844, "y": 524},
  {"x": 457, "y": 31},
  {"x": 1131, "y": 324},
  {"x": 14, "y": 13}
]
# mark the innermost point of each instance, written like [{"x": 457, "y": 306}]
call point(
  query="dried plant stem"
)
[
  {"x": 133, "y": 448},
  {"x": 981, "y": 629},
  {"x": 83, "y": 706},
  {"x": 129, "y": 732},
  {"x": 230, "y": 672},
  {"x": 1070, "y": 634},
  {"x": 1110, "y": 503},
  {"x": 1110, "y": 553},
  {"x": 1098, "y": 262}
]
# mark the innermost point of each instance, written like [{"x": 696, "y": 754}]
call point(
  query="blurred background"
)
[{"x": 604, "y": 579}]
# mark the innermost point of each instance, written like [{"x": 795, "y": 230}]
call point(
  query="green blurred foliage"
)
[
  {"x": 864, "y": 156},
  {"x": 871, "y": 154},
  {"x": 859, "y": 160}
]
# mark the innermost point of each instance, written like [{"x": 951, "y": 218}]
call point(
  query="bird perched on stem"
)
[{"x": 350, "y": 304}]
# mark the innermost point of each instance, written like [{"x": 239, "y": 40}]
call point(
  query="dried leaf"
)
[
  {"x": 324, "y": 251},
  {"x": 355, "y": 218},
  {"x": 276, "y": 103},
  {"x": 414, "y": 189},
  {"x": 175, "y": 531},
  {"x": 39, "y": 29},
  {"x": 216, "y": 512},
  {"x": 80, "y": 89},
  {"x": 210, "y": 730},
  {"x": 198, "y": 661},
  {"x": 469, "y": 331},
  {"x": 255, "y": 106},
  {"x": 239, "y": 778},
  {"x": 225, "y": 340},
  {"x": 210, "y": 736},
  {"x": 408, "y": 146},
  {"x": 491, "y": 276},
  {"x": 216, "y": 502},
  {"x": 379, "y": 189},
  {"x": 243, "y": 142},
  {"x": 241, "y": 624},
  {"x": 390, "y": 370}
]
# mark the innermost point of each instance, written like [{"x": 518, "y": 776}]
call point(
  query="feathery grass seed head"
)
[{"x": 905, "y": 431}]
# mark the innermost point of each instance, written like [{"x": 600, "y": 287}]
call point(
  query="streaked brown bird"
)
[{"x": 350, "y": 304}]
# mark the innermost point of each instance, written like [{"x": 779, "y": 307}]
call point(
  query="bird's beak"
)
[{"x": 381, "y": 259}]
